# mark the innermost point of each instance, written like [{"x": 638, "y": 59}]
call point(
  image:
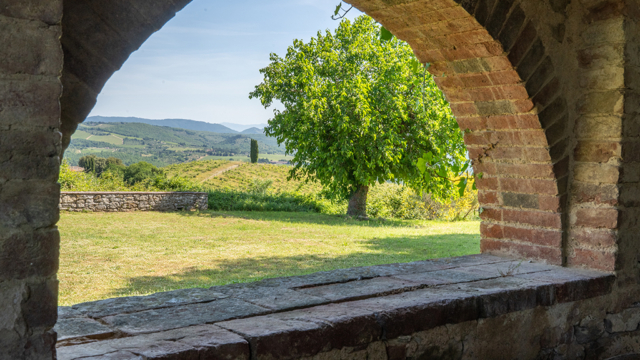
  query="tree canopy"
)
[{"x": 359, "y": 111}]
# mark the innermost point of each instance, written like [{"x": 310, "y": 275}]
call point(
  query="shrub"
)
[
  {"x": 231, "y": 200},
  {"x": 259, "y": 187},
  {"x": 401, "y": 202}
]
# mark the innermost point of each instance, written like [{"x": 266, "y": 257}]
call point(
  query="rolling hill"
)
[
  {"x": 162, "y": 145},
  {"x": 174, "y": 123}
]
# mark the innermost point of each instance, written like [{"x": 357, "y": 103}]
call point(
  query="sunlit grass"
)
[{"x": 121, "y": 254}]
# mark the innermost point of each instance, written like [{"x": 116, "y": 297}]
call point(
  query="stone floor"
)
[{"x": 301, "y": 316}]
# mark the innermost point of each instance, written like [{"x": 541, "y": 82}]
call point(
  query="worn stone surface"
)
[
  {"x": 132, "y": 201},
  {"x": 123, "y": 305},
  {"x": 74, "y": 328},
  {"x": 207, "y": 341},
  {"x": 474, "y": 288},
  {"x": 149, "y": 321}
]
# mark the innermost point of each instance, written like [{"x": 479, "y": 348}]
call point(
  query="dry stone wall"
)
[{"x": 132, "y": 201}]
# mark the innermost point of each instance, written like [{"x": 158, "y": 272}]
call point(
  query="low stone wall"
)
[{"x": 132, "y": 201}]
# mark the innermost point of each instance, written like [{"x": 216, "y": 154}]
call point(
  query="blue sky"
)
[{"x": 205, "y": 61}]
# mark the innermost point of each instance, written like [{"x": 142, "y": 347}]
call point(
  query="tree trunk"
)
[{"x": 358, "y": 202}]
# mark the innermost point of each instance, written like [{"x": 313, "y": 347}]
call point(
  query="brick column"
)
[
  {"x": 628, "y": 232},
  {"x": 30, "y": 66}
]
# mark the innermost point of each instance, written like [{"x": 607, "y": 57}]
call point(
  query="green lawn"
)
[
  {"x": 79, "y": 134},
  {"x": 111, "y": 139},
  {"x": 122, "y": 254}
]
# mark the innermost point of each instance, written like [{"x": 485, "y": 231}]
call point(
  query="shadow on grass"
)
[
  {"x": 383, "y": 251},
  {"x": 304, "y": 217}
]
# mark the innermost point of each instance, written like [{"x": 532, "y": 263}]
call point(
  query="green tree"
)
[
  {"x": 140, "y": 172},
  {"x": 254, "y": 151},
  {"x": 359, "y": 110},
  {"x": 94, "y": 164}
]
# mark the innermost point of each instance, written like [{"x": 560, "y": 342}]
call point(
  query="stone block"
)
[
  {"x": 40, "y": 308},
  {"x": 627, "y": 320},
  {"x": 596, "y": 173},
  {"x": 131, "y": 304},
  {"x": 35, "y": 143},
  {"x": 601, "y": 103},
  {"x": 274, "y": 338},
  {"x": 197, "y": 342},
  {"x": 30, "y": 48},
  {"x": 49, "y": 12},
  {"x": 81, "y": 328},
  {"x": 149, "y": 321},
  {"x": 31, "y": 103},
  {"x": 360, "y": 289},
  {"x": 33, "y": 203},
  {"x": 347, "y": 327},
  {"x": 29, "y": 254},
  {"x": 598, "y": 151},
  {"x": 274, "y": 298},
  {"x": 604, "y": 33}
]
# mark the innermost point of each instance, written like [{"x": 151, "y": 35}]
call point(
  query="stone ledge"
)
[{"x": 287, "y": 318}]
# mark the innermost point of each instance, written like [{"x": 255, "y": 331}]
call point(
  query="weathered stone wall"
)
[
  {"x": 30, "y": 89},
  {"x": 133, "y": 201}
]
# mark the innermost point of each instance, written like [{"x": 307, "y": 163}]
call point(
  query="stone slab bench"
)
[{"x": 303, "y": 316}]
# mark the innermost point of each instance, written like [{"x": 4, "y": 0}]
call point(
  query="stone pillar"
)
[{"x": 30, "y": 89}]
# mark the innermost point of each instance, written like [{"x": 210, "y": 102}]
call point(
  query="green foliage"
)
[
  {"x": 401, "y": 202},
  {"x": 259, "y": 186},
  {"x": 226, "y": 200},
  {"x": 358, "y": 111},
  {"x": 141, "y": 172},
  {"x": 254, "y": 151},
  {"x": 81, "y": 181}
]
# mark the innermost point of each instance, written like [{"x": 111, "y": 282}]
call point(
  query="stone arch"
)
[{"x": 497, "y": 62}]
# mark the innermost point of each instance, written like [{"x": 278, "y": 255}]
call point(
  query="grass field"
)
[
  {"x": 194, "y": 169},
  {"x": 241, "y": 178},
  {"x": 79, "y": 134},
  {"x": 111, "y": 139},
  {"x": 122, "y": 254}
]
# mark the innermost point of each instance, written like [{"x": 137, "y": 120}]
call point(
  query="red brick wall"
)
[{"x": 493, "y": 69}]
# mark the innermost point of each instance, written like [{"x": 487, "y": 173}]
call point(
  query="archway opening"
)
[{"x": 402, "y": 248}]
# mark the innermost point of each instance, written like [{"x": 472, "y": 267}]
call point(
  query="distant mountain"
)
[
  {"x": 253, "y": 130},
  {"x": 174, "y": 123},
  {"x": 241, "y": 127}
]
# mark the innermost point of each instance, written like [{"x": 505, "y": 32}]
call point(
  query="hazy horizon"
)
[{"x": 202, "y": 65}]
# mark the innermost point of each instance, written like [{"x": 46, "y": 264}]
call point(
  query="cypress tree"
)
[{"x": 254, "y": 151}]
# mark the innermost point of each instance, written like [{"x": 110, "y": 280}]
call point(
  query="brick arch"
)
[
  {"x": 488, "y": 59},
  {"x": 486, "y": 56}
]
